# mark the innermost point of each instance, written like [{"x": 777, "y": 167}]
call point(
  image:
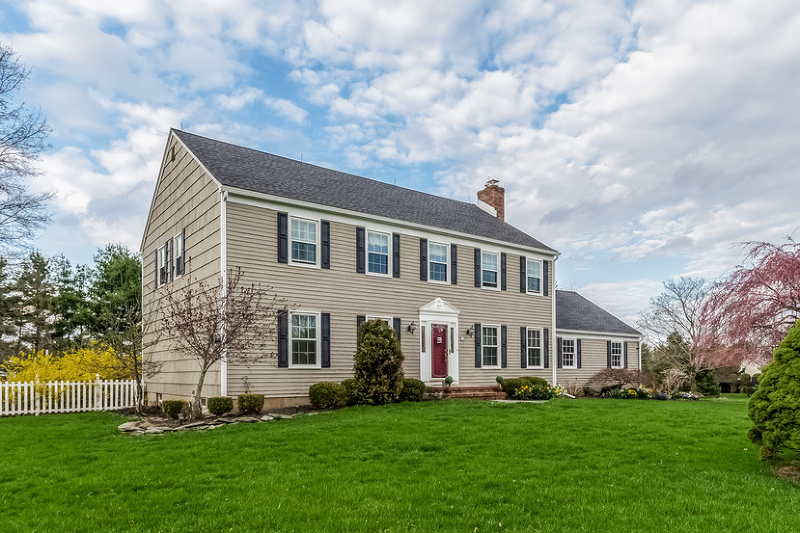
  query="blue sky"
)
[{"x": 643, "y": 140}]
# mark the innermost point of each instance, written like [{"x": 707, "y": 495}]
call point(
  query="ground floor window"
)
[
  {"x": 304, "y": 339},
  {"x": 568, "y": 353},
  {"x": 616, "y": 354},
  {"x": 489, "y": 344},
  {"x": 534, "y": 347}
]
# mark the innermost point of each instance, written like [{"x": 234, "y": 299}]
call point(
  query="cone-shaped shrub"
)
[
  {"x": 775, "y": 406},
  {"x": 378, "y": 369}
]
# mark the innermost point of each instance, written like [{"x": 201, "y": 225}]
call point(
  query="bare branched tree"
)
[
  {"x": 230, "y": 321},
  {"x": 23, "y": 135}
]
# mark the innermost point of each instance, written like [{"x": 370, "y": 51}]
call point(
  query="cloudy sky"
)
[{"x": 642, "y": 139}]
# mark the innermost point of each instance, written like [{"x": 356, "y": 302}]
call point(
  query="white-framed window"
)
[
  {"x": 490, "y": 269},
  {"x": 163, "y": 259},
  {"x": 386, "y": 319},
  {"x": 490, "y": 341},
  {"x": 303, "y": 241},
  {"x": 378, "y": 252},
  {"x": 304, "y": 333},
  {"x": 568, "y": 357},
  {"x": 616, "y": 355},
  {"x": 178, "y": 255},
  {"x": 438, "y": 258},
  {"x": 535, "y": 359},
  {"x": 534, "y": 274}
]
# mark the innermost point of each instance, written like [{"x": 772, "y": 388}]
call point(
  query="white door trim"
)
[{"x": 438, "y": 312}]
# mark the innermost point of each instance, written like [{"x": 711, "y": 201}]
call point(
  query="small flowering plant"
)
[{"x": 536, "y": 392}]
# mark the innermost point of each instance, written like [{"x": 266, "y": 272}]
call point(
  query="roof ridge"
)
[{"x": 438, "y": 197}]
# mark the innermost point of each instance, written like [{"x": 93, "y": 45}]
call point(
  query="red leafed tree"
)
[{"x": 748, "y": 313}]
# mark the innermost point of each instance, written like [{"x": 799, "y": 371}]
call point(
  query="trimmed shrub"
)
[
  {"x": 511, "y": 385},
  {"x": 327, "y": 395},
  {"x": 499, "y": 379},
  {"x": 172, "y": 408},
  {"x": 219, "y": 405},
  {"x": 534, "y": 381},
  {"x": 250, "y": 404},
  {"x": 378, "y": 368},
  {"x": 535, "y": 392},
  {"x": 413, "y": 390},
  {"x": 707, "y": 383},
  {"x": 350, "y": 391},
  {"x": 774, "y": 405}
]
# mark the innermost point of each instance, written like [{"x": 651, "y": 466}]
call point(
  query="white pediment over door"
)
[{"x": 438, "y": 307}]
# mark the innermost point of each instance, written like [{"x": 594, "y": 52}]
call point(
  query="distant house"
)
[{"x": 468, "y": 295}]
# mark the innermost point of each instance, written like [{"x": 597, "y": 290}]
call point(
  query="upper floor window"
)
[
  {"x": 304, "y": 241},
  {"x": 377, "y": 253},
  {"x": 568, "y": 359},
  {"x": 303, "y": 339},
  {"x": 490, "y": 264},
  {"x": 437, "y": 261},
  {"x": 534, "y": 348},
  {"x": 489, "y": 345},
  {"x": 616, "y": 355},
  {"x": 179, "y": 256},
  {"x": 163, "y": 272},
  {"x": 534, "y": 274}
]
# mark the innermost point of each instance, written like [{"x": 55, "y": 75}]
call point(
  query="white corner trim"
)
[
  {"x": 486, "y": 207},
  {"x": 223, "y": 267},
  {"x": 554, "y": 352}
]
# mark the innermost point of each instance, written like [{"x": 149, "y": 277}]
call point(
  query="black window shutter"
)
[
  {"x": 453, "y": 264},
  {"x": 325, "y": 237},
  {"x": 396, "y": 325},
  {"x": 171, "y": 267},
  {"x": 283, "y": 338},
  {"x": 326, "y": 340},
  {"x": 156, "y": 270},
  {"x": 523, "y": 342},
  {"x": 283, "y": 238},
  {"x": 545, "y": 277},
  {"x": 502, "y": 271},
  {"x": 360, "y": 319},
  {"x": 546, "y": 348},
  {"x": 578, "y": 349},
  {"x": 558, "y": 353},
  {"x": 523, "y": 274},
  {"x": 423, "y": 259},
  {"x": 165, "y": 268},
  {"x": 504, "y": 343},
  {"x": 477, "y": 267},
  {"x": 360, "y": 250},
  {"x": 478, "y": 355},
  {"x": 608, "y": 353},
  {"x": 625, "y": 353},
  {"x": 395, "y": 255}
]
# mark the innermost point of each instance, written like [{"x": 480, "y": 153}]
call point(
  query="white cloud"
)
[{"x": 286, "y": 109}]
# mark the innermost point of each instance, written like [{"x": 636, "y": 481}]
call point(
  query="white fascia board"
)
[
  {"x": 597, "y": 335},
  {"x": 345, "y": 216}
]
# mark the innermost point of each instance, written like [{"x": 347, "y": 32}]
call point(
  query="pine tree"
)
[{"x": 378, "y": 364}]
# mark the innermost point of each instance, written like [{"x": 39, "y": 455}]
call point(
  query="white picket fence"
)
[{"x": 40, "y": 397}]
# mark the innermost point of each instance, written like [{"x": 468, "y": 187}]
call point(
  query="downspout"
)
[
  {"x": 553, "y": 354},
  {"x": 223, "y": 266}
]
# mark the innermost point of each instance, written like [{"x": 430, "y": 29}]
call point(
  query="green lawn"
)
[{"x": 565, "y": 466}]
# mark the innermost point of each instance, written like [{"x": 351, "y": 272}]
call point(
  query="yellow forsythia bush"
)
[{"x": 78, "y": 365}]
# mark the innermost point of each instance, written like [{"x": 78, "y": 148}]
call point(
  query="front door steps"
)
[{"x": 477, "y": 393}]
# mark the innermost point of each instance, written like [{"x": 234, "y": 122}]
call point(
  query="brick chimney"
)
[{"x": 494, "y": 196}]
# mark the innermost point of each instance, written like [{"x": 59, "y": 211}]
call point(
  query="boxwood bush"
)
[
  {"x": 350, "y": 388},
  {"x": 511, "y": 385},
  {"x": 327, "y": 395},
  {"x": 172, "y": 408},
  {"x": 250, "y": 404},
  {"x": 413, "y": 390},
  {"x": 219, "y": 405}
]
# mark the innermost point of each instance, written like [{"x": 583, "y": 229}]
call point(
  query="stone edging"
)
[{"x": 159, "y": 426}]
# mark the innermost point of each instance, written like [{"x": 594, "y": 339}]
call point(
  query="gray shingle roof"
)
[
  {"x": 252, "y": 170},
  {"x": 574, "y": 312}
]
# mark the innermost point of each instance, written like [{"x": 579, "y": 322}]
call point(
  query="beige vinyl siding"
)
[
  {"x": 185, "y": 198},
  {"x": 594, "y": 358},
  {"x": 345, "y": 294}
]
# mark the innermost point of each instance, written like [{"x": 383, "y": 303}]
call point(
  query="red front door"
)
[{"x": 439, "y": 350}]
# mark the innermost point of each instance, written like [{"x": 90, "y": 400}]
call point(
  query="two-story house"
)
[{"x": 469, "y": 295}]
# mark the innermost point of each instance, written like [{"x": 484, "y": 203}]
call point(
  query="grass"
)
[{"x": 577, "y": 466}]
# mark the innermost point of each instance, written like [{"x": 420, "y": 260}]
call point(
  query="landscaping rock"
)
[
  {"x": 154, "y": 431},
  {"x": 248, "y": 419},
  {"x": 195, "y": 425},
  {"x": 129, "y": 426},
  {"x": 267, "y": 418}
]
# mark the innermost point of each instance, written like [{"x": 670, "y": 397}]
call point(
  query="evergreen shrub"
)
[
  {"x": 327, "y": 395},
  {"x": 220, "y": 405},
  {"x": 250, "y": 404},
  {"x": 173, "y": 408},
  {"x": 378, "y": 368},
  {"x": 413, "y": 390}
]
